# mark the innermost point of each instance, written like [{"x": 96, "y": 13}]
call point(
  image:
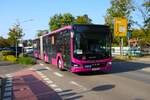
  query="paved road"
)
[
  {"x": 8, "y": 67},
  {"x": 127, "y": 81}
]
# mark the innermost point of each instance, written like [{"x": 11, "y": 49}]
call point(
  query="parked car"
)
[
  {"x": 13, "y": 49},
  {"x": 28, "y": 50},
  {"x": 134, "y": 51}
]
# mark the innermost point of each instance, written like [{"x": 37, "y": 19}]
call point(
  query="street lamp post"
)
[{"x": 21, "y": 39}]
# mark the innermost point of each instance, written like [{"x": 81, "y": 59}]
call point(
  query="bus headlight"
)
[
  {"x": 109, "y": 63},
  {"x": 75, "y": 65}
]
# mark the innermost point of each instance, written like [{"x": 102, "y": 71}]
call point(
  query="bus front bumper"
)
[{"x": 82, "y": 69}]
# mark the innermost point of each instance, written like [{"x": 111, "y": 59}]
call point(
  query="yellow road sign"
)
[{"x": 120, "y": 27}]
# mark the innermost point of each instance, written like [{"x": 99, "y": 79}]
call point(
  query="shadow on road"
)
[
  {"x": 36, "y": 89},
  {"x": 118, "y": 67},
  {"x": 103, "y": 87},
  {"x": 30, "y": 87}
]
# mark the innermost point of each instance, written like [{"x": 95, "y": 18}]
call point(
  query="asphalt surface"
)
[
  {"x": 8, "y": 67},
  {"x": 126, "y": 81}
]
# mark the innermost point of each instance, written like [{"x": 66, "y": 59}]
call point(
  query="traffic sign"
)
[{"x": 120, "y": 27}]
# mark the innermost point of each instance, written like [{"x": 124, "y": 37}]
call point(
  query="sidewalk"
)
[{"x": 28, "y": 85}]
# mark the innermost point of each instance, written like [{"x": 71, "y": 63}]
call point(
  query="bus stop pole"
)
[{"x": 121, "y": 46}]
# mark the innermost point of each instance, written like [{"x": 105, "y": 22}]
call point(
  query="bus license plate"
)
[{"x": 94, "y": 69}]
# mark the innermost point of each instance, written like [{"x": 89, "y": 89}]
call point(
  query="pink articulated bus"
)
[{"x": 77, "y": 48}]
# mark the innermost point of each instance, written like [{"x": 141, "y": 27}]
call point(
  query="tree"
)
[
  {"x": 4, "y": 42},
  {"x": 59, "y": 20},
  {"x": 67, "y": 19},
  {"x": 83, "y": 20},
  {"x": 145, "y": 26},
  {"x": 55, "y": 22},
  {"x": 15, "y": 33},
  {"x": 119, "y": 8},
  {"x": 27, "y": 43},
  {"x": 41, "y": 32}
]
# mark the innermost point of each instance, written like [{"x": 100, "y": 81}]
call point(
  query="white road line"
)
[
  {"x": 146, "y": 69},
  {"x": 40, "y": 73},
  {"x": 8, "y": 88},
  {"x": 8, "y": 81},
  {"x": 43, "y": 76},
  {"x": 80, "y": 86},
  {"x": 48, "y": 68},
  {"x": 49, "y": 81},
  {"x": 53, "y": 85},
  {"x": 8, "y": 75},
  {"x": 8, "y": 85},
  {"x": 8, "y": 98},
  {"x": 58, "y": 89},
  {"x": 7, "y": 94},
  {"x": 41, "y": 64},
  {"x": 58, "y": 74},
  {"x": 46, "y": 79}
]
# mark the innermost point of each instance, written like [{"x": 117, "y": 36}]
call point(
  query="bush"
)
[
  {"x": 26, "y": 60},
  {"x": 6, "y": 52},
  {"x": 11, "y": 58}
]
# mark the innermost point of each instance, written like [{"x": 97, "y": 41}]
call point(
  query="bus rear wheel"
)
[{"x": 60, "y": 64}]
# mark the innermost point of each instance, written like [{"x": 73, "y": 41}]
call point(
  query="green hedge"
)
[
  {"x": 26, "y": 60},
  {"x": 6, "y": 52}
]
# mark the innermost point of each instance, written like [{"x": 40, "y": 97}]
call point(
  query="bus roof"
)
[
  {"x": 71, "y": 27},
  {"x": 58, "y": 30}
]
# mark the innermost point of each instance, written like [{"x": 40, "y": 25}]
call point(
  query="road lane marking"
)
[
  {"x": 53, "y": 85},
  {"x": 80, "y": 86},
  {"x": 8, "y": 85},
  {"x": 58, "y": 89},
  {"x": 49, "y": 81},
  {"x": 8, "y": 88},
  {"x": 41, "y": 64},
  {"x": 48, "y": 68},
  {"x": 146, "y": 69},
  {"x": 8, "y": 75},
  {"x": 58, "y": 74},
  {"x": 7, "y": 94},
  {"x": 46, "y": 79}
]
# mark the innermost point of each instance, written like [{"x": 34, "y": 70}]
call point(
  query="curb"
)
[{"x": 1, "y": 84}]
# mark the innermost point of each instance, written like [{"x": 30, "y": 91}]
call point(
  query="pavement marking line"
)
[
  {"x": 49, "y": 81},
  {"x": 40, "y": 73},
  {"x": 146, "y": 69},
  {"x": 46, "y": 79},
  {"x": 53, "y": 85},
  {"x": 8, "y": 81},
  {"x": 8, "y": 98},
  {"x": 58, "y": 74},
  {"x": 8, "y": 75},
  {"x": 7, "y": 94},
  {"x": 48, "y": 68},
  {"x": 8, "y": 85},
  {"x": 58, "y": 89},
  {"x": 8, "y": 88},
  {"x": 75, "y": 83},
  {"x": 41, "y": 64}
]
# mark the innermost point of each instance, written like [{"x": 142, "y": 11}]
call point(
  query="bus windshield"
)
[{"x": 93, "y": 45}]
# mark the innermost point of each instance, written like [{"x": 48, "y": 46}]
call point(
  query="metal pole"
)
[
  {"x": 121, "y": 46},
  {"x": 16, "y": 47}
]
